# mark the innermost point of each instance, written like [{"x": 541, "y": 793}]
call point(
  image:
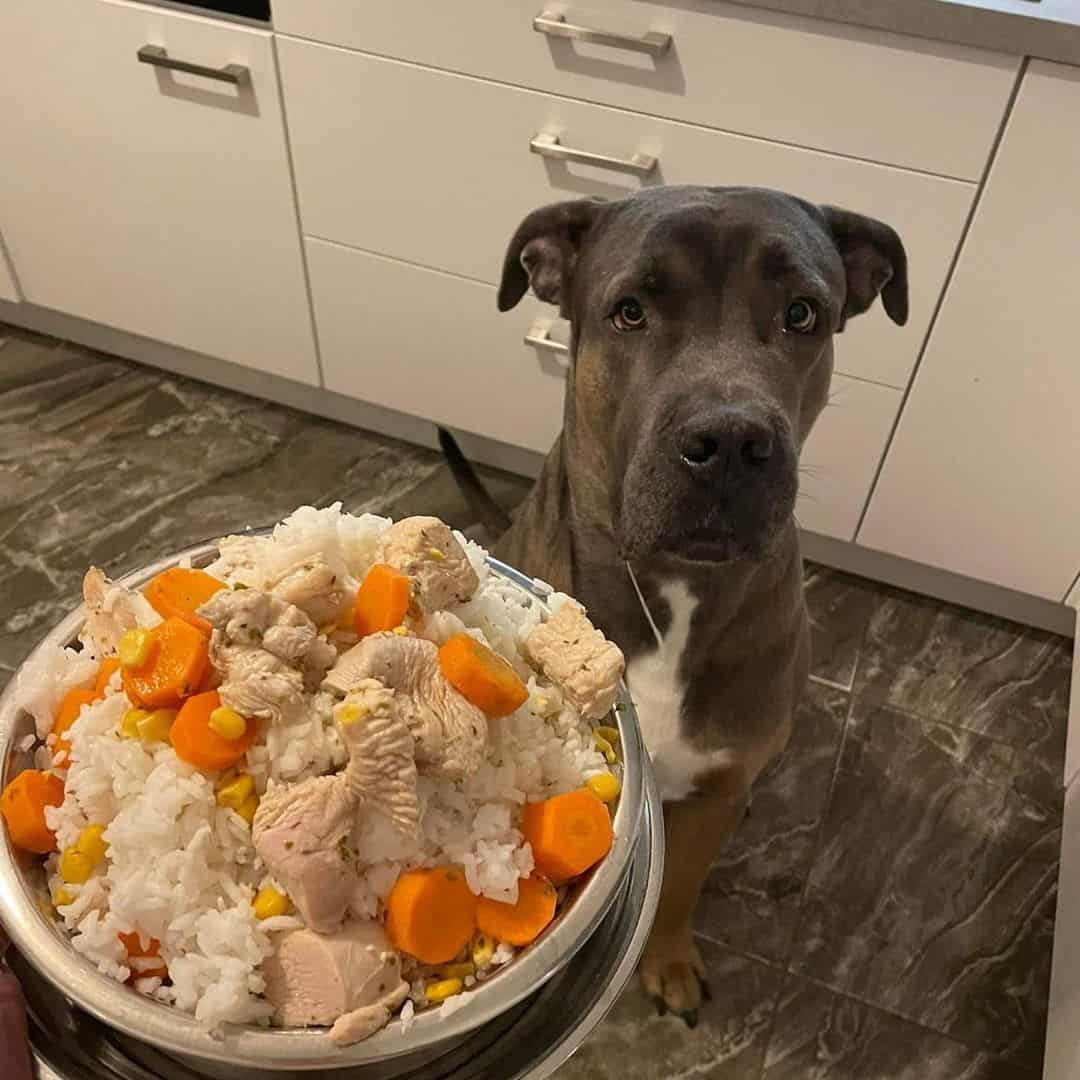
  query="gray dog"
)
[{"x": 701, "y": 353}]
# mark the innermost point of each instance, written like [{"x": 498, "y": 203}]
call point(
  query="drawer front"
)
[
  {"x": 442, "y": 176},
  {"x": 865, "y": 93},
  {"x": 153, "y": 201},
  {"x": 433, "y": 345}
]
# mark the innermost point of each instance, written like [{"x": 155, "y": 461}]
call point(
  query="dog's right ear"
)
[{"x": 544, "y": 252}]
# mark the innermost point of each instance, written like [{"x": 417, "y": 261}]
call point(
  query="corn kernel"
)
[
  {"x": 248, "y": 807},
  {"x": 436, "y": 555},
  {"x": 604, "y": 786},
  {"x": 609, "y": 733},
  {"x": 604, "y": 747},
  {"x": 269, "y": 903},
  {"x": 227, "y": 723},
  {"x": 129, "y": 726},
  {"x": 456, "y": 971},
  {"x": 76, "y": 867},
  {"x": 90, "y": 843},
  {"x": 62, "y": 897},
  {"x": 234, "y": 793},
  {"x": 351, "y": 713},
  {"x": 135, "y": 647},
  {"x": 155, "y": 726},
  {"x": 482, "y": 950},
  {"x": 442, "y": 989}
]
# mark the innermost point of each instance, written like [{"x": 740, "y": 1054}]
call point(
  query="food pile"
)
[{"x": 344, "y": 772}]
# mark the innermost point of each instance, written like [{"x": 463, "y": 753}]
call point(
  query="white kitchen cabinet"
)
[
  {"x": 150, "y": 200},
  {"x": 864, "y": 93},
  {"x": 982, "y": 475},
  {"x": 441, "y": 173},
  {"x": 8, "y": 289}
]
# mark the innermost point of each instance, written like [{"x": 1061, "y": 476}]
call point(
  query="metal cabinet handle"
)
[
  {"x": 236, "y": 74},
  {"x": 555, "y": 25},
  {"x": 539, "y": 337},
  {"x": 549, "y": 146}
]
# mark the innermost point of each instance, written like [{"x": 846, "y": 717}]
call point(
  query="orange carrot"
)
[
  {"x": 196, "y": 742},
  {"x": 568, "y": 833},
  {"x": 482, "y": 676},
  {"x": 381, "y": 601},
  {"x": 108, "y": 666},
  {"x": 23, "y": 807},
  {"x": 68, "y": 713},
  {"x": 137, "y": 951},
  {"x": 520, "y": 923},
  {"x": 431, "y": 914},
  {"x": 174, "y": 669},
  {"x": 177, "y": 592}
]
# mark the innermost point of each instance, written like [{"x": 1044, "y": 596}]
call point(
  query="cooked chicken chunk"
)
[
  {"x": 351, "y": 979},
  {"x": 301, "y": 831},
  {"x": 424, "y": 549},
  {"x": 267, "y": 651},
  {"x": 313, "y": 587},
  {"x": 571, "y": 652},
  {"x": 112, "y": 610},
  {"x": 450, "y": 732}
]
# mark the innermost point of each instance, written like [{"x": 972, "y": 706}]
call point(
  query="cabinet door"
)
[
  {"x": 982, "y": 475},
  {"x": 151, "y": 200}
]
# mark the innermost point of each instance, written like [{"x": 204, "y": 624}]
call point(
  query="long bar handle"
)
[
  {"x": 555, "y": 25},
  {"x": 549, "y": 146},
  {"x": 236, "y": 74}
]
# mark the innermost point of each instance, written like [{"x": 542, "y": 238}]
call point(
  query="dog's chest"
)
[{"x": 658, "y": 690}]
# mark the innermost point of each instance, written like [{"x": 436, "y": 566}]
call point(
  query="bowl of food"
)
[{"x": 327, "y": 794}]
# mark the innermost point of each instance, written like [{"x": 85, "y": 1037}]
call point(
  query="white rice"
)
[{"x": 182, "y": 870}]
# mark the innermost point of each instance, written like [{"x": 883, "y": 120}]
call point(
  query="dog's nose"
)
[{"x": 730, "y": 438}]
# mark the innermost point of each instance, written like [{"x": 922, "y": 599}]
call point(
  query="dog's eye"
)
[
  {"x": 800, "y": 317},
  {"x": 629, "y": 315}
]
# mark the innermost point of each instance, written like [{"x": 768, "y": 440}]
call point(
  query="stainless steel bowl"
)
[{"x": 42, "y": 940}]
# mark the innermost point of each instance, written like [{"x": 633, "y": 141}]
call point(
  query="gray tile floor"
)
[{"x": 886, "y": 912}]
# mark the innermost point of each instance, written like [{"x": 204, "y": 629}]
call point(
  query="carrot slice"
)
[
  {"x": 175, "y": 668},
  {"x": 520, "y": 923},
  {"x": 23, "y": 807},
  {"x": 381, "y": 601},
  {"x": 568, "y": 833},
  {"x": 431, "y": 914},
  {"x": 68, "y": 713},
  {"x": 178, "y": 592},
  {"x": 109, "y": 666},
  {"x": 136, "y": 950},
  {"x": 197, "y": 743},
  {"x": 482, "y": 676}
]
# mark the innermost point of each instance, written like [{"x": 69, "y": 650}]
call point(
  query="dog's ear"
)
[
  {"x": 875, "y": 261},
  {"x": 544, "y": 252}
]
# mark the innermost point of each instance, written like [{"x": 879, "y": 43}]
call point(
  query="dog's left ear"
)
[
  {"x": 875, "y": 261},
  {"x": 544, "y": 252}
]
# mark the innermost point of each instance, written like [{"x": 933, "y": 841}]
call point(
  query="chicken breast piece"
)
[
  {"x": 112, "y": 610},
  {"x": 350, "y": 979},
  {"x": 577, "y": 657},
  {"x": 450, "y": 732},
  {"x": 425, "y": 549},
  {"x": 313, "y": 586}
]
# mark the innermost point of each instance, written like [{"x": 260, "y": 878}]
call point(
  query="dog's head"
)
[{"x": 702, "y": 323}]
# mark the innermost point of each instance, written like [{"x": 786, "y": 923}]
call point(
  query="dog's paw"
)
[{"x": 673, "y": 975}]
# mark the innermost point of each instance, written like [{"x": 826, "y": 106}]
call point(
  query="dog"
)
[{"x": 701, "y": 352}]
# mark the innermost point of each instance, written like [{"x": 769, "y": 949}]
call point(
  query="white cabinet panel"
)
[
  {"x": 440, "y": 174},
  {"x": 156, "y": 202},
  {"x": 982, "y": 476},
  {"x": 864, "y": 93},
  {"x": 8, "y": 289}
]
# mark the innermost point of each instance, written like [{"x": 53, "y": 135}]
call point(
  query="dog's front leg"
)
[{"x": 695, "y": 831}]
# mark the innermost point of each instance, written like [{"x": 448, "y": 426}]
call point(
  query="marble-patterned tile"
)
[
  {"x": 932, "y": 893},
  {"x": 634, "y": 1043},
  {"x": 984, "y": 674},
  {"x": 821, "y": 1035},
  {"x": 840, "y": 608},
  {"x": 751, "y": 898}
]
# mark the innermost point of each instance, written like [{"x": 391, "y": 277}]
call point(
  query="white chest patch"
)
[{"x": 658, "y": 692}]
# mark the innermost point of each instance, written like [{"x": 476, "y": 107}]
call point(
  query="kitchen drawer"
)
[
  {"x": 433, "y": 345},
  {"x": 864, "y": 93},
  {"x": 430, "y": 344},
  {"x": 8, "y": 289},
  {"x": 152, "y": 201},
  {"x": 442, "y": 174}
]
